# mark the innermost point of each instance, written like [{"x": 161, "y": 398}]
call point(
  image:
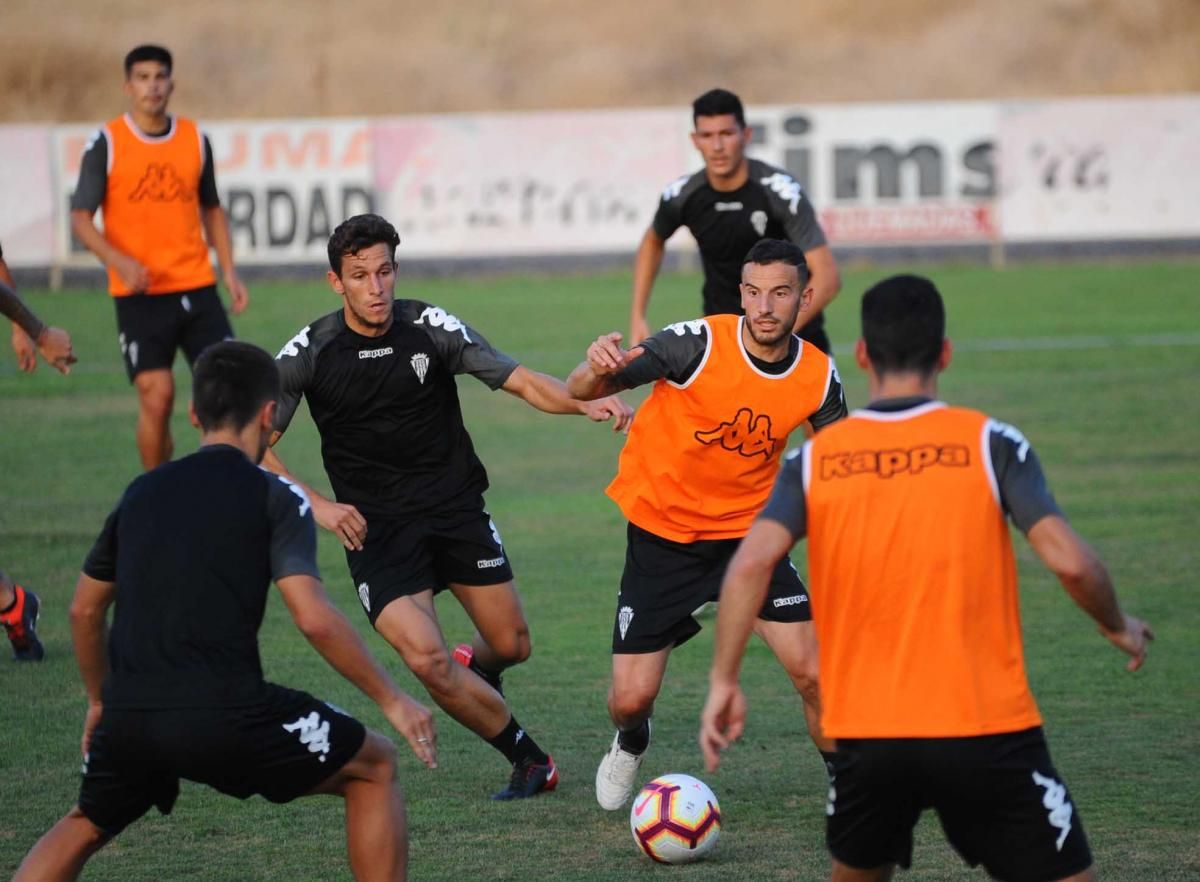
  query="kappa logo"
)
[
  {"x": 495, "y": 533},
  {"x": 305, "y": 504},
  {"x": 786, "y": 188},
  {"x": 436, "y": 317},
  {"x": 375, "y": 353},
  {"x": 364, "y": 596},
  {"x": 674, "y": 188},
  {"x": 746, "y": 433},
  {"x": 129, "y": 350},
  {"x": 1013, "y": 434},
  {"x": 420, "y": 366},
  {"x": 624, "y": 617},
  {"x": 1055, "y": 799},
  {"x": 314, "y": 733},
  {"x": 490, "y": 563},
  {"x": 292, "y": 347},
  {"x": 758, "y": 220},
  {"x": 794, "y": 600},
  {"x": 161, "y": 183},
  {"x": 695, "y": 326},
  {"x": 886, "y": 463}
]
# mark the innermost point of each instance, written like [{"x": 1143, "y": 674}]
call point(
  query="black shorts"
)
[
  {"x": 664, "y": 582},
  {"x": 403, "y": 557},
  {"x": 1000, "y": 801},
  {"x": 281, "y": 748},
  {"x": 153, "y": 326}
]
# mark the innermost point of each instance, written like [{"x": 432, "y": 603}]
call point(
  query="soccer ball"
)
[{"x": 675, "y": 819}]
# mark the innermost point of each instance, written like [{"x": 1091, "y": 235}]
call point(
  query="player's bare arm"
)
[
  {"x": 331, "y": 635},
  {"x": 825, "y": 283},
  {"x": 135, "y": 276},
  {"x": 22, "y": 343},
  {"x": 342, "y": 520},
  {"x": 595, "y": 377},
  {"x": 645, "y": 270},
  {"x": 89, "y": 609},
  {"x": 550, "y": 395},
  {"x": 1086, "y": 579},
  {"x": 216, "y": 231},
  {"x": 53, "y": 343},
  {"x": 743, "y": 591}
]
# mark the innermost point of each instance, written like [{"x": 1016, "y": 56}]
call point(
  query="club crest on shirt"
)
[
  {"x": 420, "y": 366},
  {"x": 758, "y": 220}
]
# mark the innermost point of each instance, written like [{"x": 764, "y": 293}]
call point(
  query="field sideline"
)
[{"x": 1098, "y": 364}]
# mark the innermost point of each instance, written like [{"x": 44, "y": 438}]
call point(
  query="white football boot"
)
[{"x": 617, "y": 776}]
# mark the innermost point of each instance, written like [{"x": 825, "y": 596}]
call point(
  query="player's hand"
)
[
  {"x": 1134, "y": 640},
  {"x": 343, "y": 521},
  {"x": 55, "y": 346},
  {"x": 639, "y": 329},
  {"x": 135, "y": 276},
  {"x": 239, "y": 297},
  {"x": 722, "y": 721},
  {"x": 605, "y": 356},
  {"x": 415, "y": 722},
  {"x": 94, "y": 712},
  {"x": 25, "y": 349},
  {"x": 610, "y": 408}
]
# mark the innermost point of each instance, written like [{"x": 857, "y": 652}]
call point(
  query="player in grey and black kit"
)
[
  {"x": 378, "y": 375},
  {"x": 188, "y": 556},
  {"x": 728, "y": 206}
]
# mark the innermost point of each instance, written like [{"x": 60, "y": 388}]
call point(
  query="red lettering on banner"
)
[
  {"x": 899, "y": 223},
  {"x": 280, "y": 148}
]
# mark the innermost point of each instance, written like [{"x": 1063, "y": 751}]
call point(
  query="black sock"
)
[
  {"x": 516, "y": 744},
  {"x": 635, "y": 740}
]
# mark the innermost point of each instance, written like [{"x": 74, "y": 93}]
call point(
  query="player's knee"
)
[
  {"x": 629, "y": 707},
  {"x": 379, "y": 755},
  {"x": 514, "y": 648},
  {"x": 156, "y": 400},
  {"x": 433, "y": 668}
]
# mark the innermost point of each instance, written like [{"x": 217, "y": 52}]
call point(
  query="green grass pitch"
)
[{"x": 1098, "y": 365}]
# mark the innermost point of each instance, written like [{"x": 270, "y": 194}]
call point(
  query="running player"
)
[
  {"x": 378, "y": 375},
  {"x": 698, "y": 465},
  {"x": 728, "y": 206},
  {"x": 923, "y": 680},
  {"x": 152, "y": 174},
  {"x": 188, "y": 555}
]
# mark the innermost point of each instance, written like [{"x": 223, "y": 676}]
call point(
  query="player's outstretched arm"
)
[
  {"x": 645, "y": 270},
  {"x": 743, "y": 591},
  {"x": 342, "y": 520},
  {"x": 332, "y": 635},
  {"x": 595, "y": 376},
  {"x": 550, "y": 395},
  {"x": 88, "y": 614},
  {"x": 1086, "y": 579},
  {"x": 216, "y": 231}
]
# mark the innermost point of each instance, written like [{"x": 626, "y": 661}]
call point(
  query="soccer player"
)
[
  {"x": 152, "y": 174},
  {"x": 698, "y": 465},
  {"x": 923, "y": 682},
  {"x": 188, "y": 555},
  {"x": 378, "y": 374},
  {"x": 728, "y": 206}
]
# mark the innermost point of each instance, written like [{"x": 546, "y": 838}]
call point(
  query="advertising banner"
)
[{"x": 26, "y": 196}]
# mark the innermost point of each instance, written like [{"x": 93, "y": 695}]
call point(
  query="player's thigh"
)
[
  {"x": 410, "y": 624},
  {"x": 395, "y": 561},
  {"x": 204, "y": 322},
  {"x": 1002, "y": 804},
  {"x": 375, "y": 762},
  {"x": 148, "y": 328},
  {"x": 639, "y": 674},
  {"x": 794, "y": 645},
  {"x": 496, "y": 612}
]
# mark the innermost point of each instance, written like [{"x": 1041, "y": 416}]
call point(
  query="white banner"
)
[
  {"x": 1104, "y": 168},
  {"x": 515, "y": 184},
  {"x": 27, "y": 208}
]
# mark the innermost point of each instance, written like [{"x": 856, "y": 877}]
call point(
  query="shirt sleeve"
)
[
  {"x": 295, "y": 362},
  {"x": 674, "y": 354},
  {"x": 1020, "y": 481},
  {"x": 93, "y": 175},
  {"x": 463, "y": 349},
  {"x": 669, "y": 216},
  {"x": 833, "y": 408},
  {"x": 15, "y": 310},
  {"x": 293, "y": 531},
  {"x": 101, "y": 562},
  {"x": 209, "y": 197},
  {"x": 790, "y": 205},
  {"x": 787, "y": 504}
]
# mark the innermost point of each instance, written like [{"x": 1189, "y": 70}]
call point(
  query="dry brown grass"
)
[{"x": 60, "y": 59}]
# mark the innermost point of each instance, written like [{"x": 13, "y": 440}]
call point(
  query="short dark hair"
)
[
  {"x": 718, "y": 102},
  {"x": 231, "y": 381},
  {"x": 147, "y": 52},
  {"x": 903, "y": 325},
  {"x": 768, "y": 251},
  {"x": 361, "y": 231}
]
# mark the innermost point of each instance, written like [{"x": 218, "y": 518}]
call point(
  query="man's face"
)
[
  {"x": 722, "y": 143},
  {"x": 772, "y": 299},
  {"x": 149, "y": 86},
  {"x": 367, "y": 284}
]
